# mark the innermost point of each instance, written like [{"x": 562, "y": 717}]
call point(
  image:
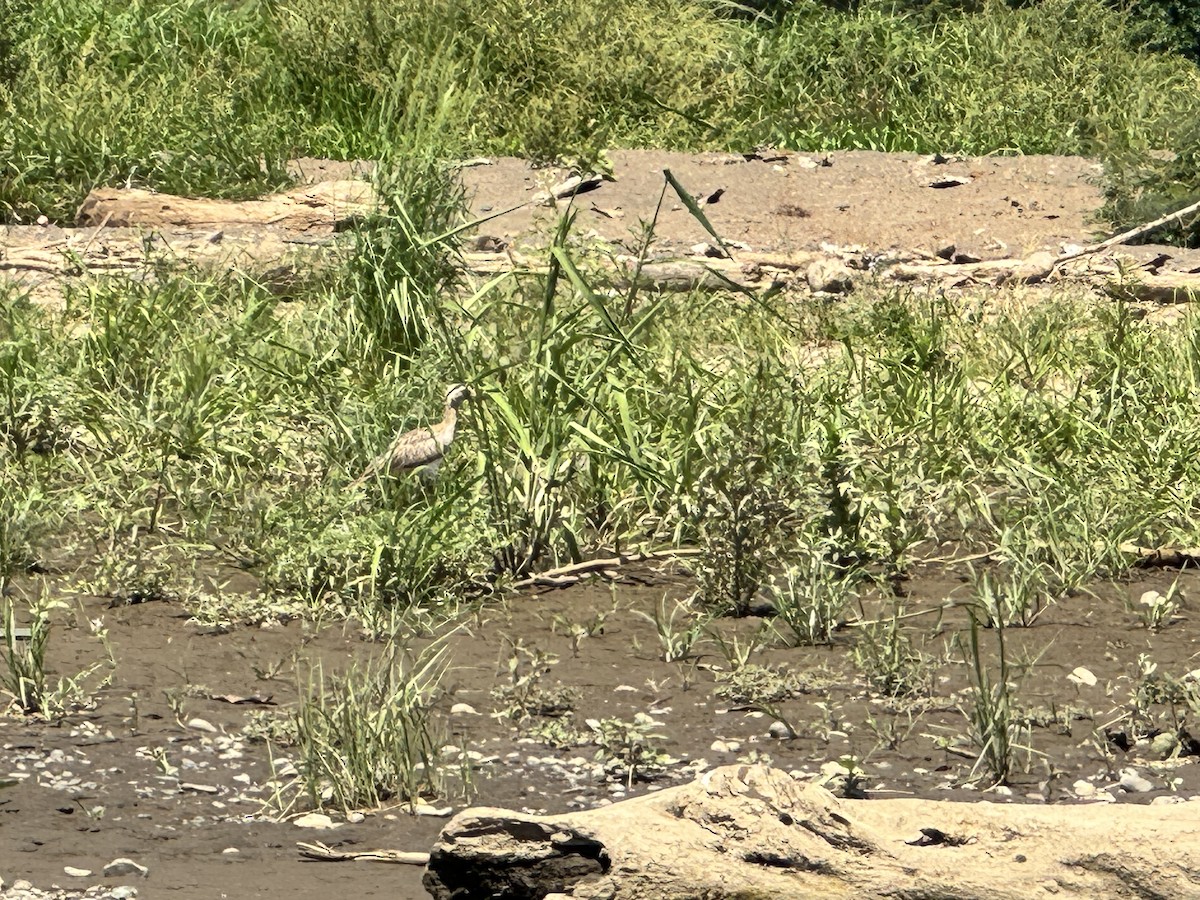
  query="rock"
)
[
  {"x": 487, "y": 243},
  {"x": 202, "y": 725},
  {"x": 77, "y": 873},
  {"x": 780, "y": 731},
  {"x": 829, "y": 276},
  {"x": 965, "y": 259},
  {"x": 318, "y": 821},
  {"x": 751, "y": 831},
  {"x": 1134, "y": 782},
  {"x": 946, "y": 251},
  {"x": 1034, "y": 268},
  {"x": 437, "y": 812},
  {"x": 463, "y": 709},
  {"x": 1164, "y": 746},
  {"x": 1080, "y": 675},
  {"x": 124, "y": 866},
  {"x": 1083, "y": 789},
  {"x": 355, "y": 818},
  {"x": 123, "y": 892}
]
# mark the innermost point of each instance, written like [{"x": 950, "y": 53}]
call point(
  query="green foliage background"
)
[{"x": 197, "y": 97}]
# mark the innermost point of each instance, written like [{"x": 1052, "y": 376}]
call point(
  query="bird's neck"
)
[{"x": 449, "y": 421}]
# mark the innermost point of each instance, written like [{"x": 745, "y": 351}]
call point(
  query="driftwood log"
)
[
  {"x": 753, "y": 832},
  {"x": 330, "y": 205}
]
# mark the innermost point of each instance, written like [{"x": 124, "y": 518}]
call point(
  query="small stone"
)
[
  {"x": 199, "y": 788},
  {"x": 780, "y": 731},
  {"x": 124, "y": 866},
  {"x": 719, "y": 747},
  {"x": 946, "y": 251},
  {"x": 1133, "y": 782},
  {"x": 318, "y": 821},
  {"x": 463, "y": 709},
  {"x": 43, "y": 221},
  {"x": 1035, "y": 268},
  {"x": 709, "y": 250},
  {"x": 123, "y": 892},
  {"x": 231, "y": 851},
  {"x": 354, "y": 818},
  {"x": 1080, "y": 675},
  {"x": 202, "y": 725},
  {"x": 76, "y": 872},
  {"x": 1083, "y": 788},
  {"x": 1164, "y": 746},
  {"x": 438, "y": 812},
  {"x": 1167, "y": 800},
  {"x": 830, "y": 277}
]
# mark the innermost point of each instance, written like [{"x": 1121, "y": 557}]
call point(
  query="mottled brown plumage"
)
[{"x": 421, "y": 448}]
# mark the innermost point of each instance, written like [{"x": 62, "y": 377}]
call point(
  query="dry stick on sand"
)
[
  {"x": 1132, "y": 233},
  {"x": 566, "y": 575},
  {"x": 325, "y": 853}
]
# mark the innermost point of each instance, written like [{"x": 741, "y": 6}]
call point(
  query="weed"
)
[
  {"x": 754, "y": 685},
  {"x": 23, "y": 676},
  {"x": 525, "y": 696},
  {"x": 994, "y": 726},
  {"x": 677, "y": 638},
  {"x": 1157, "y": 610},
  {"x": 893, "y": 666},
  {"x": 809, "y": 599},
  {"x": 370, "y": 737},
  {"x": 629, "y": 749}
]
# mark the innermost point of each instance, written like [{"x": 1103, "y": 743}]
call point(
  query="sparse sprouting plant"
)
[
  {"x": 995, "y": 727},
  {"x": 890, "y": 662},
  {"x": 755, "y": 685},
  {"x": 678, "y": 630},
  {"x": 23, "y": 671},
  {"x": 1156, "y": 609},
  {"x": 526, "y": 696},
  {"x": 630, "y": 750},
  {"x": 809, "y": 599},
  {"x": 737, "y": 649}
]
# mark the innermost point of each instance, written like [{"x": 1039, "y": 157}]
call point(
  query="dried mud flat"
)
[{"x": 160, "y": 773}]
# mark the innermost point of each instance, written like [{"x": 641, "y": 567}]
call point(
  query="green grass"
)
[
  {"x": 208, "y": 98},
  {"x": 198, "y": 409},
  {"x": 157, "y": 431}
]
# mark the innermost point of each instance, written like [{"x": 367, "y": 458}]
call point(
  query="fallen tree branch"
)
[
  {"x": 1126, "y": 236},
  {"x": 566, "y": 575},
  {"x": 325, "y": 853},
  {"x": 1163, "y": 556}
]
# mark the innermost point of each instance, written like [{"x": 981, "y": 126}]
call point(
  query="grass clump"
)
[
  {"x": 199, "y": 98},
  {"x": 370, "y": 737}
]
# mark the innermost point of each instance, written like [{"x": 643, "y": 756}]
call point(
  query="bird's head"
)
[{"x": 456, "y": 395}]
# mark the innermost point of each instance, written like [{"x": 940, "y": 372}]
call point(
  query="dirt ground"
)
[{"x": 159, "y": 771}]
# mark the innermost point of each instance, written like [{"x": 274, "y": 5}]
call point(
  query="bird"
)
[{"x": 421, "y": 448}]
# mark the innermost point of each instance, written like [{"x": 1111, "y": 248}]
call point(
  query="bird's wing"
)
[
  {"x": 418, "y": 447},
  {"x": 409, "y": 450}
]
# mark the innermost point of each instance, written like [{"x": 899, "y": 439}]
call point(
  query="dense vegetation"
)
[
  {"x": 157, "y": 433},
  {"x": 199, "y": 97}
]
